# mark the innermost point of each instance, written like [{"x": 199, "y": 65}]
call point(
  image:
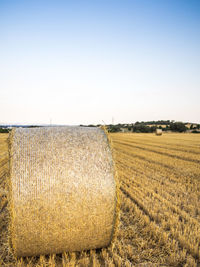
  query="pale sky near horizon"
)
[{"x": 82, "y": 62}]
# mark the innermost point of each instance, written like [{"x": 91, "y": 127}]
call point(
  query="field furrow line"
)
[
  {"x": 163, "y": 146},
  {"x": 174, "y": 229},
  {"x": 159, "y": 152},
  {"x": 192, "y": 169}
]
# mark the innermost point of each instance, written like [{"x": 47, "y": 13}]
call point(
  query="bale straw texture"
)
[{"x": 62, "y": 190}]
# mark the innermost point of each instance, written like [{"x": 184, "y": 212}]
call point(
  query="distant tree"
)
[
  {"x": 114, "y": 128},
  {"x": 167, "y": 128},
  {"x": 4, "y": 130},
  {"x": 178, "y": 127},
  {"x": 153, "y": 128},
  {"x": 141, "y": 128},
  {"x": 195, "y": 131}
]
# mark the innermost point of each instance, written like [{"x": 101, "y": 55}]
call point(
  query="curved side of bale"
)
[
  {"x": 117, "y": 182},
  {"x": 62, "y": 190},
  {"x": 11, "y": 209}
]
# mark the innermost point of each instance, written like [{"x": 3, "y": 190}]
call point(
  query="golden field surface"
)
[{"x": 160, "y": 205}]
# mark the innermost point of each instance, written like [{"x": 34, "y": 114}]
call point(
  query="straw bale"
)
[
  {"x": 158, "y": 131},
  {"x": 63, "y": 194}
]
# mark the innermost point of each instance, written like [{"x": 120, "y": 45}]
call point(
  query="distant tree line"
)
[
  {"x": 161, "y": 122},
  {"x": 151, "y": 126},
  {"x": 4, "y": 130}
]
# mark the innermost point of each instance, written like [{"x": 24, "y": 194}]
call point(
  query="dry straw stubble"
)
[{"x": 62, "y": 190}]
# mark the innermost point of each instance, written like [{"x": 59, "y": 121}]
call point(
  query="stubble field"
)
[{"x": 160, "y": 205}]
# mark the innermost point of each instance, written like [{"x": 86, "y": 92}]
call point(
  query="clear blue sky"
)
[{"x": 81, "y": 62}]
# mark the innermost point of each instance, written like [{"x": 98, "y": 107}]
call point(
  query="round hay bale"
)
[
  {"x": 158, "y": 131},
  {"x": 63, "y": 194}
]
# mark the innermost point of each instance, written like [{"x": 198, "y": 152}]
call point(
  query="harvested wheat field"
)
[{"x": 160, "y": 205}]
